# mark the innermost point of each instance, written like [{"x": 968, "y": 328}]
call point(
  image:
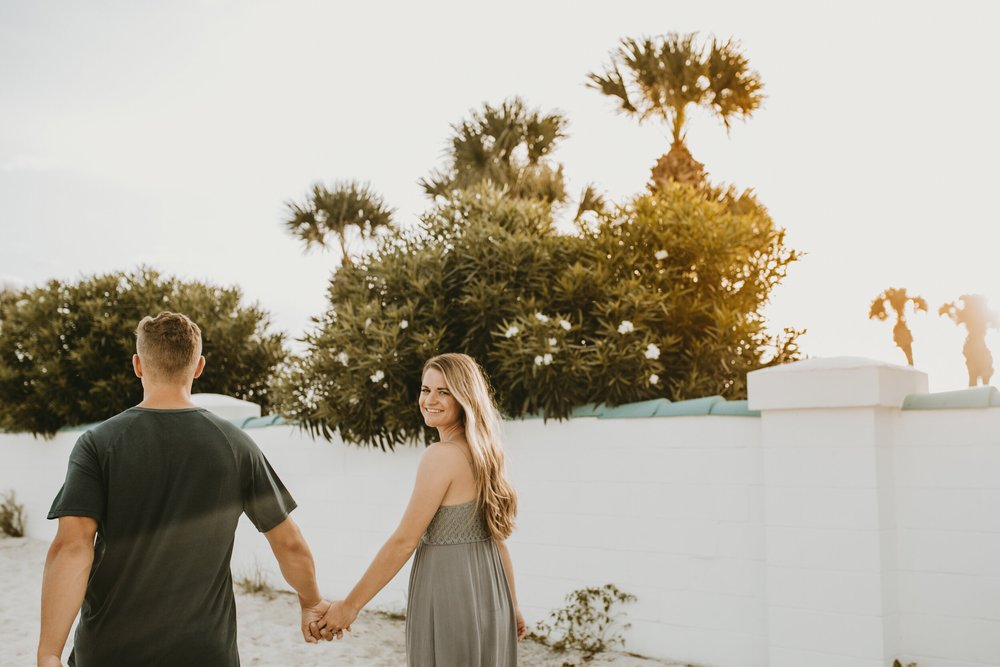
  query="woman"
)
[{"x": 462, "y": 609}]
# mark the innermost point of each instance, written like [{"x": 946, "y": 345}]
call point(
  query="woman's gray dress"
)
[{"x": 459, "y": 612}]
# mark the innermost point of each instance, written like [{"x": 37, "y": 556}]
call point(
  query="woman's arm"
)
[
  {"x": 508, "y": 568},
  {"x": 437, "y": 469}
]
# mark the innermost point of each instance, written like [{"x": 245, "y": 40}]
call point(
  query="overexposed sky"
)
[{"x": 171, "y": 135}]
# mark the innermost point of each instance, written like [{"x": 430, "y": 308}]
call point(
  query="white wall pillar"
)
[{"x": 826, "y": 437}]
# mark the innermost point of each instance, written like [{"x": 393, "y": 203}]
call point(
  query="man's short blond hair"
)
[{"x": 168, "y": 345}]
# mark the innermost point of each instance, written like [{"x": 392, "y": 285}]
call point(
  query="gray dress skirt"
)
[{"x": 459, "y": 611}]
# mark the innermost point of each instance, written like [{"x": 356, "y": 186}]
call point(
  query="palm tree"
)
[
  {"x": 349, "y": 205},
  {"x": 506, "y": 145},
  {"x": 660, "y": 77},
  {"x": 897, "y": 299},
  {"x": 977, "y": 318}
]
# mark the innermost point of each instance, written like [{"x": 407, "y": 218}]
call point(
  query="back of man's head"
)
[{"x": 168, "y": 346}]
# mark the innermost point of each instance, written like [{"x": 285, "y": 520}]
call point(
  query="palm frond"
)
[
  {"x": 348, "y": 204},
  {"x": 590, "y": 200},
  {"x": 613, "y": 85},
  {"x": 662, "y": 76},
  {"x": 735, "y": 89}
]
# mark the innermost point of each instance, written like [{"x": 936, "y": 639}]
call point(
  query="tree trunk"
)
[
  {"x": 346, "y": 259},
  {"x": 678, "y": 166}
]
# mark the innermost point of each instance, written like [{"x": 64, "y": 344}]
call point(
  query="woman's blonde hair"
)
[{"x": 481, "y": 421}]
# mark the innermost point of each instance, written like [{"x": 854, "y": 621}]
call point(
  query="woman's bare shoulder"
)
[{"x": 446, "y": 451}]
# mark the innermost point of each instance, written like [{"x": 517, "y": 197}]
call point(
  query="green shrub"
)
[
  {"x": 11, "y": 516},
  {"x": 660, "y": 298},
  {"x": 585, "y": 623},
  {"x": 255, "y": 581},
  {"x": 66, "y": 348}
]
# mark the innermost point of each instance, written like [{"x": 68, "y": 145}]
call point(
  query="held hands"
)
[
  {"x": 311, "y": 614},
  {"x": 338, "y": 618}
]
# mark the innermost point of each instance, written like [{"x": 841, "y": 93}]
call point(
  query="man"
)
[{"x": 162, "y": 486}]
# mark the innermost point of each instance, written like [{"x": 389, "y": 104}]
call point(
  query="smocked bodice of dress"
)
[{"x": 457, "y": 524}]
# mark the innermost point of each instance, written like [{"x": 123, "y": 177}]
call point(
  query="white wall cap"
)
[
  {"x": 227, "y": 407},
  {"x": 833, "y": 382}
]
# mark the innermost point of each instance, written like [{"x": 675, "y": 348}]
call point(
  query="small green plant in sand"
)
[
  {"x": 11, "y": 516},
  {"x": 391, "y": 614},
  {"x": 255, "y": 581},
  {"x": 586, "y": 622}
]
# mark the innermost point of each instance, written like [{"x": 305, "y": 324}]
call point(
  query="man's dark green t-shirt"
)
[{"x": 167, "y": 488}]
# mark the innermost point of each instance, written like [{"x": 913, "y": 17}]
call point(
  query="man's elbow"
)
[
  {"x": 286, "y": 538},
  {"x": 75, "y": 547}
]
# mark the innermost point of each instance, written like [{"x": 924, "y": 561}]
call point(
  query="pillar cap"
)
[{"x": 833, "y": 382}]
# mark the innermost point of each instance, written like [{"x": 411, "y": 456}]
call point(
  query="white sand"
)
[{"x": 268, "y": 628}]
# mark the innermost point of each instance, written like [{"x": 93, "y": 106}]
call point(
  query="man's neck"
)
[{"x": 166, "y": 398}]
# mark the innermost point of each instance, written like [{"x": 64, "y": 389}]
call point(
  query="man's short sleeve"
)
[
  {"x": 266, "y": 501},
  {"x": 83, "y": 492}
]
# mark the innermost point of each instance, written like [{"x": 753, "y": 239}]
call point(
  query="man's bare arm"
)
[
  {"x": 299, "y": 570},
  {"x": 67, "y": 568}
]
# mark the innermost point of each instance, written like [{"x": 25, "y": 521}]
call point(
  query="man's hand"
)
[
  {"x": 49, "y": 661},
  {"x": 311, "y": 615},
  {"x": 337, "y": 619}
]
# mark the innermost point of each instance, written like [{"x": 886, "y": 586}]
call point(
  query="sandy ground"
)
[{"x": 268, "y": 628}]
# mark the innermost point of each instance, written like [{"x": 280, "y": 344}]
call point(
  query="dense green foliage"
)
[
  {"x": 658, "y": 298},
  {"x": 66, "y": 348}
]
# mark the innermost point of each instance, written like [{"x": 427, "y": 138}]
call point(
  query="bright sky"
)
[{"x": 171, "y": 134}]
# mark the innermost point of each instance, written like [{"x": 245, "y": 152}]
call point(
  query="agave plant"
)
[
  {"x": 977, "y": 318},
  {"x": 897, "y": 300}
]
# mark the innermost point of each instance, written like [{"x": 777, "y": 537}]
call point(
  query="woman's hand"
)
[
  {"x": 338, "y": 618},
  {"x": 522, "y": 627}
]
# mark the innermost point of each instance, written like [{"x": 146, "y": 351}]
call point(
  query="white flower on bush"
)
[
  {"x": 368, "y": 322},
  {"x": 343, "y": 358},
  {"x": 652, "y": 352},
  {"x": 654, "y": 379},
  {"x": 543, "y": 359},
  {"x": 511, "y": 332},
  {"x": 565, "y": 324},
  {"x": 539, "y": 360},
  {"x": 626, "y": 327},
  {"x": 661, "y": 254},
  {"x": 553, "y": 342},
  {"x": 403, "y": 324},
  {"x": 541, "y": 318},
  {"x": 377, "y": 376},
  {"x": 353, "y": 400}
]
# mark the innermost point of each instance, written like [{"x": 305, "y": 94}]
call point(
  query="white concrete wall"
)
[
  {"x": 835, "y": 530},
  {"x": 947, "y": 496}
]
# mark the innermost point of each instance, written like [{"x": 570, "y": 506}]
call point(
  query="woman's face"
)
[{"x": 437, "y": 405}]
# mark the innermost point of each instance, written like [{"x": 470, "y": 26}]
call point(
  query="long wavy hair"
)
[{"x": 481, "y": 421}]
